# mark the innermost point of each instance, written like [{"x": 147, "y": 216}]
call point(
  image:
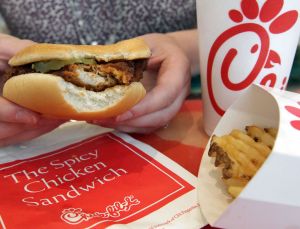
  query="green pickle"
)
[{"x": 51, "y": 65}]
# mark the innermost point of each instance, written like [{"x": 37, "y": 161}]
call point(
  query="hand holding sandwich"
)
[
  {"x": 170, "y": 66},
  {"x": 17, "y": 123},
  {"x": 100, "y": 82}
]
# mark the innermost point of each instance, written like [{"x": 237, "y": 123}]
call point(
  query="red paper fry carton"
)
[{"x": 271, "y": 198}]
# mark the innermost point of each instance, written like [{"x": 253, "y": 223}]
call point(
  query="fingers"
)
[
  {"x": 164, "y": 100},
  {"x": 11, "y": 129},
  {"x": 15, "y": 132},
  {"x": 158, "y": 118},
  {"x": 27, "y": 135},
  {"x": 20, "y": 132},
  {"x": 10, "y": 45},
  {"x": 10, "y": 112},
  {"x": 148, "y": 122},
  {"x": 173, "y": 74},
  {"x": 3, "y": 66}
]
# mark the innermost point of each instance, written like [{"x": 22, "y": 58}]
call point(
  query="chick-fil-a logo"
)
[
  {"x": 295, "y": 111},
  {"x": 76, "y": 215},
  {"x": 266, "y": 58}
]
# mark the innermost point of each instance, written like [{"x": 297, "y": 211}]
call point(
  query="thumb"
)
[{"x": 10, "y": 45}]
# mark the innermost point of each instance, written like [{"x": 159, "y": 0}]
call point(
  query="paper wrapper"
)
[
  {"x": 271, "y": 199},
  {"x": 243, "y": 42},
  {"x": 80, "y": 176}
]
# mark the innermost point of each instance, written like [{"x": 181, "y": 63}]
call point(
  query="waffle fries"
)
[{"x": 241, "y": 154}]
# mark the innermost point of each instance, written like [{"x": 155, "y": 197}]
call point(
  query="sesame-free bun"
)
[
  {"x": 131, "y": 49},
  {"x": 54, "y": 97}
]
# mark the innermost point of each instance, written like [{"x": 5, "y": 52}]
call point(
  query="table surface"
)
[{"x": 184, "y": 139}]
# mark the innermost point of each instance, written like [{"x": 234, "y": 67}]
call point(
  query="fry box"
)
[
  {"x": 272, "y": 197},
  {"x": 79, "y": 177}
]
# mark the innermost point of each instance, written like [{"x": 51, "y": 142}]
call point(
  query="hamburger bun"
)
[
  {"x": 131, "y": 49},
  {"x": 53, "y": 96}
]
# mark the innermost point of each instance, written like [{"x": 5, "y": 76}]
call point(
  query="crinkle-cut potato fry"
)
[
  {"x": 260, "y": 135},
  {"x": 234, "y": 191},
  {"x": 240, "y": 154},
  {"x": 222, "y": 160},
  {"x": 250, "y": 152},
  {"x": 236, "y": 182},
  {"x": 262, "y": 148},
  {"x": 271, "y": 131},
  {"x": 245, "y": 164}
]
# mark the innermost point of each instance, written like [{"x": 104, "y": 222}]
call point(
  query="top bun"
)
[{"x": 131, "y": 49}]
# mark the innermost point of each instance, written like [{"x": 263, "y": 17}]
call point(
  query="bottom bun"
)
[{"x": 53, "y": 96}]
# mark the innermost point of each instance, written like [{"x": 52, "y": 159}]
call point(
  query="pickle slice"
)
[{"x": 51, "y": 65}]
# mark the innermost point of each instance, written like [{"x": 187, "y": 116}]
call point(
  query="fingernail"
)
[
  {"x": 25, "y": 117},
  {"x": 124, "y": 117}
]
